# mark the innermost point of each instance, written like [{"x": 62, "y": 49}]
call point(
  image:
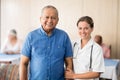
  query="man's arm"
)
[
  {"x": 24, "y": 67},
  {"x": 69, "y": 63}
]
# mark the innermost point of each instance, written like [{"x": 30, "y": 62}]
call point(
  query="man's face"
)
[{"x": 49, "y": 19}]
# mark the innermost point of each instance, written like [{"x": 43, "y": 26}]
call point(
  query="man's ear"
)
[{"x": 40, "y": 18}]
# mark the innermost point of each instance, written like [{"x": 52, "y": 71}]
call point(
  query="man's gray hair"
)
[{"x": 49, "y": 6}]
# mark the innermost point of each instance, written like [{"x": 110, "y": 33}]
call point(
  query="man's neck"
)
[{"x": 48, "y": 31}]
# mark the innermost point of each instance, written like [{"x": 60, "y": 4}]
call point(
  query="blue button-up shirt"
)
[{"x": 47, "y": 54}]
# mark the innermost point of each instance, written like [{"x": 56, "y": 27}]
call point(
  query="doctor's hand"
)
[{"x": 69, "y": 75}]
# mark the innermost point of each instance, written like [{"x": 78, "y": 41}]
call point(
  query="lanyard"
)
[{"x": 90, "y": 67}]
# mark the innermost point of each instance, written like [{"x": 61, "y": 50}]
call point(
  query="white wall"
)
[
  {"x": 24, "y": 15},
  {"x": 15, "y": 14},
  {"x": 118, "y": 31},
  {"x": 0, "y": 23}
]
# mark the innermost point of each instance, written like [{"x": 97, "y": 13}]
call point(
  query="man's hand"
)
[
  {"x": 69, "y": 64},
  {"x": 68, "y": 70}
]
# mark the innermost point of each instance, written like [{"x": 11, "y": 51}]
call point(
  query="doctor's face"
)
[{"x": 84, "y": 30}]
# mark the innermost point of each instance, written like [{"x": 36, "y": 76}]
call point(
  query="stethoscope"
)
[{"x": 77, "y": 51}]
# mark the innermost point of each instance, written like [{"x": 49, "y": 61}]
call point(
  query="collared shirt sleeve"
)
[
  {"x": 98, "y": 62},
  {"x": 26, "y": 48},
  {"x": 68, "y": 48}
]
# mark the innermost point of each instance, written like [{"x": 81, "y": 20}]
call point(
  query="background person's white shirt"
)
[
  {"x": 9, "y": 47},
  {"x": 81, "y": 58}
]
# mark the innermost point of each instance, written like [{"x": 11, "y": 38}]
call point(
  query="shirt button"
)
[{"x": 48, "y": 47}]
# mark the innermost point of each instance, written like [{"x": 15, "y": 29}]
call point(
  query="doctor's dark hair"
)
[{"x": 87, "y": 19}]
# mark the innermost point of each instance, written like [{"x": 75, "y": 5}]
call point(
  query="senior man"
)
[{"x": 46, "y": 49}]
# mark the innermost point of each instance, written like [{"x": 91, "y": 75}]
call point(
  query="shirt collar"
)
[
  {"x": 44, "y": 33},
  {"x": 90, "y": 42}
]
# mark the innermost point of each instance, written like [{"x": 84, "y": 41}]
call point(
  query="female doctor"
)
[{"x": 88, "y": 60}]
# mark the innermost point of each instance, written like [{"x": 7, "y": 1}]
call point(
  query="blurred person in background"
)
[
  {"x": 106, "y": 50},
  {"x": 12, "y": 44}
]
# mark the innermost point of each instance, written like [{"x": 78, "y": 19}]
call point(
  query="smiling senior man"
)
[{"x": 46, "y": 49}]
